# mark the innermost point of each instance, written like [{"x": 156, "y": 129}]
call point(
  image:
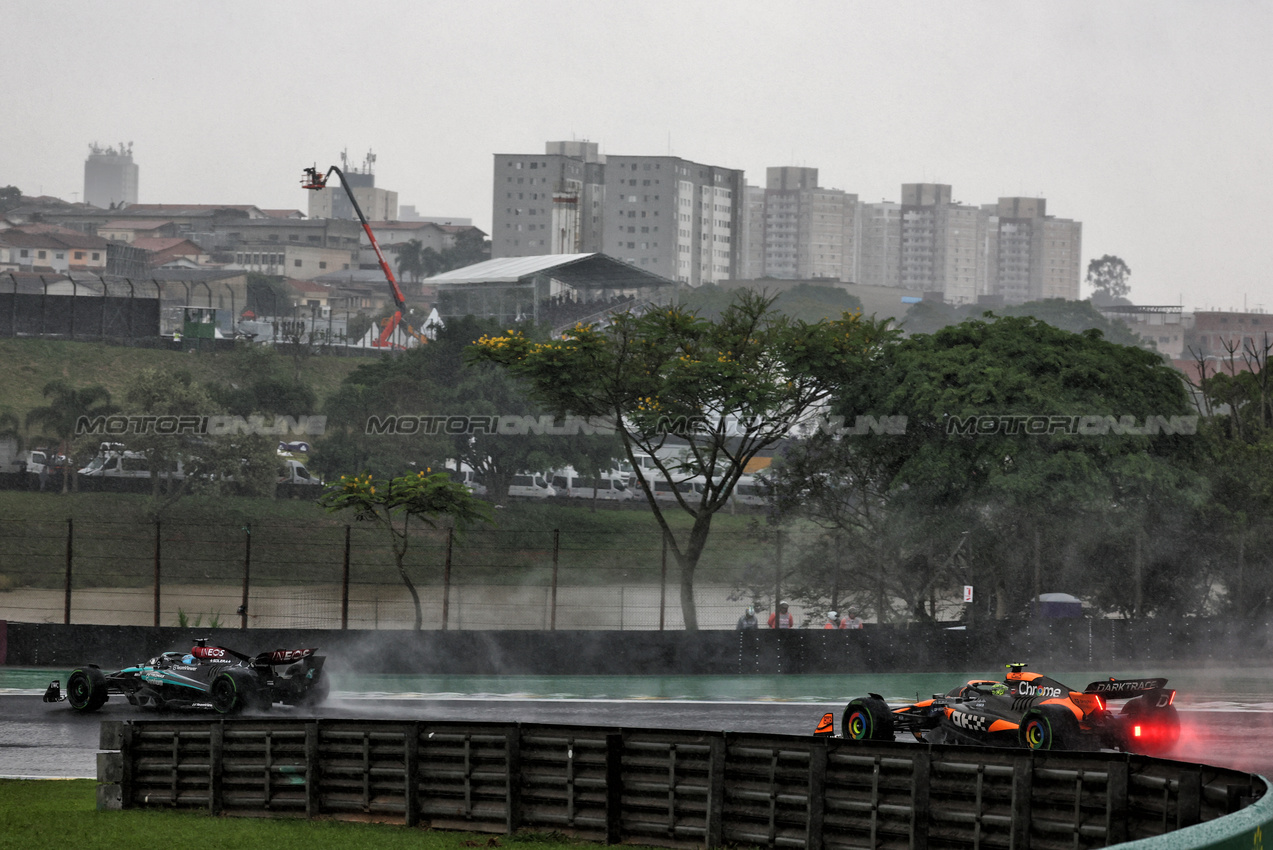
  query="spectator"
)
[
  {"x": 781, "y": 619},
  {"x": 852, "y": 621},
  {"x": 834, "y": 621},
  {"x": 748, "y": 619}
]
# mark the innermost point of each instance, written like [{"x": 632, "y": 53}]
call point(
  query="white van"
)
[
  {"x": 294, "y": 472},
  {"x": 531, "y": 485},
  {"x": 609, "y": 487},
  {"x": 113, "y": 461},
  {"x": 690, "y": 489},
  {"x": 750, "y": 491}
]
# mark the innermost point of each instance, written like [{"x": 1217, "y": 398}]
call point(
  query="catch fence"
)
[{"x": 332, "y": 575}]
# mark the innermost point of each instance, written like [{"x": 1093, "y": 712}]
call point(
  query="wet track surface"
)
[{"x": 37, "y": 739}]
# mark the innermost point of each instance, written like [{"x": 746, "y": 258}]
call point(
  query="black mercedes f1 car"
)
[
  {"x": 205, "y": 677},
  {"x": 1025, "y": 710}
]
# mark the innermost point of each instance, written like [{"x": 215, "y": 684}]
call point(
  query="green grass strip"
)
[{"x": 39, "y": 814}]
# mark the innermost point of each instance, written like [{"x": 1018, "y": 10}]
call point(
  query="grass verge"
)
[{"x": 37, "y": 814}]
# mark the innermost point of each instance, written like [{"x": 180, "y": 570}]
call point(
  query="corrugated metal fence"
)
[{"x": 660, "y": 787}]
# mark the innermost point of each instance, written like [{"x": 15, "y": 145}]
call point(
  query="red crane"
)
[{"x": 314, "y": 180}]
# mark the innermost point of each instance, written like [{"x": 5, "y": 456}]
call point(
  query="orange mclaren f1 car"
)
[{"x": 1025, "y": 710}]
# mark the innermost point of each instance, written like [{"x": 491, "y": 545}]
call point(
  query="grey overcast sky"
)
[{"x": 1149, "y": 121}]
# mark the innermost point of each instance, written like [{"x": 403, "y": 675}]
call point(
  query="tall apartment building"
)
[
  {"x": 1034, "y": 255},
  {"x": 942, "y": 243},
  {"x": 880, "y": 245},
  {"x": 797, "y": 230},
  {"x": 110, "y": 176},
  {"x": 548, "y": 203},
  {"x": 670, "y": 216}
]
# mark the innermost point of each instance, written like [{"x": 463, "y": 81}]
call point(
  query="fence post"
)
[
  {"x": 614, "y": 790},
  {"x": 344, "y": 587},
  {"x": 446, "y": 578},
  {"x": 313, "y": 801},
  {"x": 817, "y": 795},
  {"x": 778, "y": 573},
  {"x": 921, "y": 767},
  {"x": 216, "y": 758},
  {"x": 157, "y": 577},
  {"x": 70, "y": 550},
  {"x": 247, "y": 574},
  {"x": 663, "y": 585},
  {"x": 552, "y": 621},
  {"x": 718, "y": 746},
  {"x": 411, "y": 769}
]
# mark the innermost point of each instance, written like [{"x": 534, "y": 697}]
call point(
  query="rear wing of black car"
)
[{"x": 1125, "y": 688}]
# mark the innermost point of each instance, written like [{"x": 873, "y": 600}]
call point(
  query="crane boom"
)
[{"x": 314, "y": 180}]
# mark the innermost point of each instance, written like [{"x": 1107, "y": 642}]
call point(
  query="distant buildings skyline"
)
[{"x": 571, "y": 199}]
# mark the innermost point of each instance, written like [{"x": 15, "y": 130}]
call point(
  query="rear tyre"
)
[
  {"x": 1049, "y": 727},
  {"x": 86, "y": 689},
  {"x": 1148, "y": 729},
  {"x": 232, "y": 691},
  {"x": 867, "y": 719},
  {"x": 316, "y": 694}
]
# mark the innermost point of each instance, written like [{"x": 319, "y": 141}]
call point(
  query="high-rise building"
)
[
  {"x": 1035, "y": 256},
  {"x": 110, "y": 176},
  {"x": 670, "y": 216},
  {"x": 548, "y": 203},
  {"x": 881, "y": 244},
  {"x": 942, "y": 243},
  {"x": 797, "y": 230}
]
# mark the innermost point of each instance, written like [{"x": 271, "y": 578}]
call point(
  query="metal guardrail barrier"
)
[{"x": 675, "y": 789}]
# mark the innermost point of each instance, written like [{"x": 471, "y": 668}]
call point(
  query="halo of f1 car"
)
[
  {"x": 213, "y": 677},
  {"x": 1025, "y": 710}
]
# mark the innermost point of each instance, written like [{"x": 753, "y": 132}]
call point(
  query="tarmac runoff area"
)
[{"x": 1226, "y": 719}]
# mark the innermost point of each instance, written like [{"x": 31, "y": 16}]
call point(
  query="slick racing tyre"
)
[
  {"x": 86, "y": 689},
  {"x": 867, "y": 719},
  {"x": 232, "y": 691},
  {"x": 1149, "y": 729},
  {"x": 1049, "y": 727}
]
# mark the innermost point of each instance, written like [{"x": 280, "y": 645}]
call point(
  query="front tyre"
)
[
  {"x": 867, "y": 719},
  {"x": 1049, "y": 727},
  {"x": 86, "y": 689}
]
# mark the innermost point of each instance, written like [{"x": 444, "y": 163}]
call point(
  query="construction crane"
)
[{"x": 313, "y": 180}]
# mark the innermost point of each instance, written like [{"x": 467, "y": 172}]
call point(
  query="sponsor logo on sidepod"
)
[{"x": 1026, "y": 689}]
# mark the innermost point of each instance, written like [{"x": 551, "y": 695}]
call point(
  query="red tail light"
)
[{"x": 1136, "y": 731}]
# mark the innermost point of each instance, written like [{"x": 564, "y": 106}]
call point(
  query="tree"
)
[
  {"x": 60, "y": 417},
  {"x": 428, "y": 498},
  {"x": 728, "y": 388},
  {"x": 1108, "y": 276},
  {"x": 10, "y": 198},
  {"x": 411, "y": 260},
  {"x": 242, "y": 464},
  {"x": 1021, "y": 498}
]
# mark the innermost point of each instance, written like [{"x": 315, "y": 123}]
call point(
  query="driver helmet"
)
[
  {"x": 999, "y": 689},
  {"x": 832, "y": 614},
  {"x": 187, "y": 659}
]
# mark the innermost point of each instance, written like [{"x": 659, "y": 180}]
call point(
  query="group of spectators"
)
[
  {"x": 783, "y": 619},
  {"x": 564, "y": 309}
]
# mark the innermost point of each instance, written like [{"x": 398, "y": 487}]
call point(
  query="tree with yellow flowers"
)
[
  {"x": 392, "y": 503},
  {"x": 727, "y": 388}
]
